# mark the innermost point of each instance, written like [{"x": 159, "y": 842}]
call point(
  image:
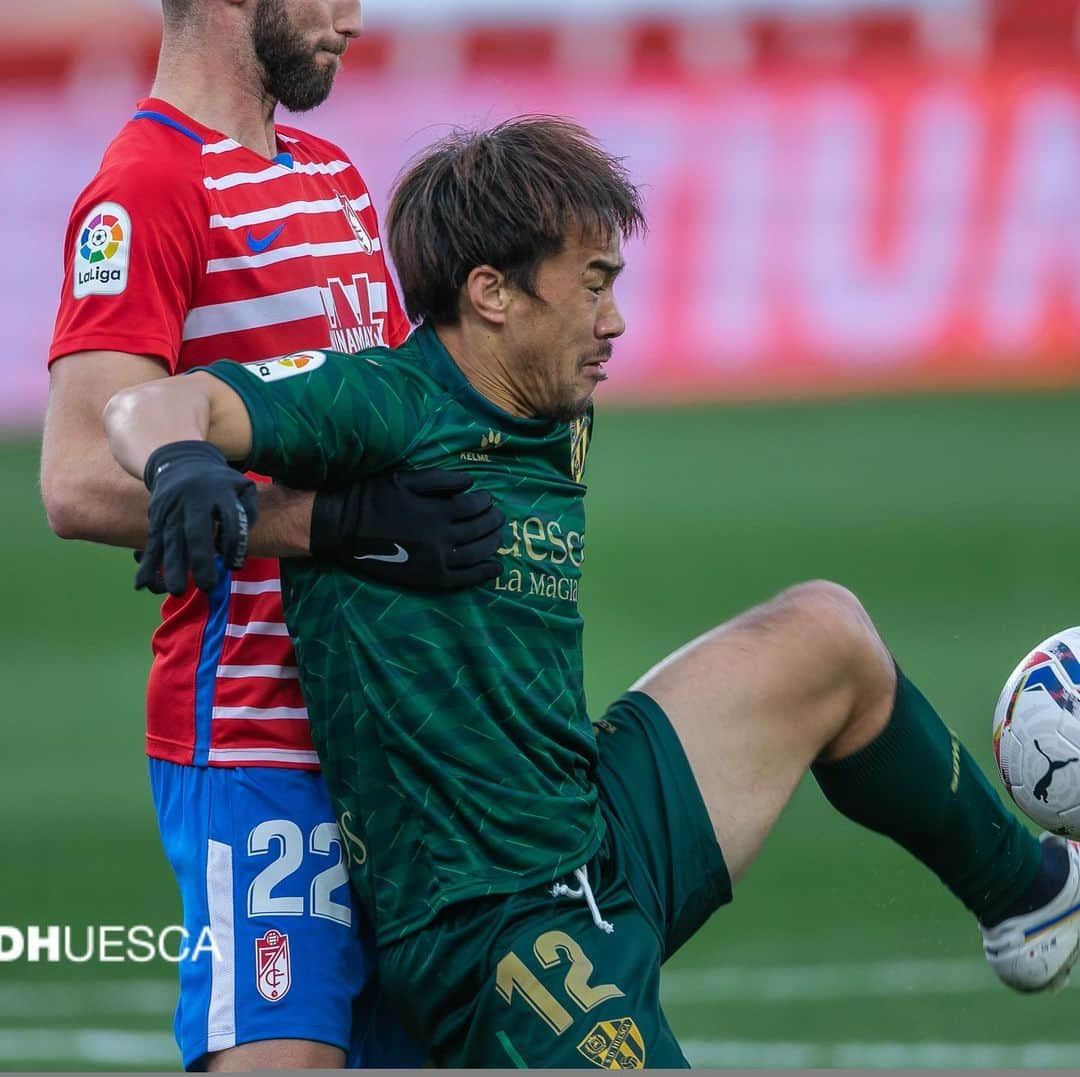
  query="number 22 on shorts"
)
[
  {"x": 552, "y": 948},
  {"x": 324, "y": 841}
]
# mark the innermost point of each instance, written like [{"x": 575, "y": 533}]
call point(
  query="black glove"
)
[
  {"x": 199, "y": 507},
  {"x": 424, "y": 530}
]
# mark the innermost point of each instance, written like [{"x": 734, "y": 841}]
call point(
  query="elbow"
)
[
  {"x": 63, "y": 505},
  {"x": 119, "y": 420},
  {"x": 116, "y": 413}
]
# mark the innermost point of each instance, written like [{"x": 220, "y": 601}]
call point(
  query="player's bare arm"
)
[
  {"x": 198, "y": 407},
  {"x": 87, "y": 496},
  {"x": 200, "y": 507}
]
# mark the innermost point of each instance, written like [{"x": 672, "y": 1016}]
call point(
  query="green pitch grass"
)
[{"x": 954, "y": 519}]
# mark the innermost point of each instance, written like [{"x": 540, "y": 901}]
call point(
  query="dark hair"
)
[
  {"x": 176, "y": 11},
  {"x": 508, "y": 197}
]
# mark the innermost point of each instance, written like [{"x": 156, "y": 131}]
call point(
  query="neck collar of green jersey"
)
[{"x": 448, "y": 373}]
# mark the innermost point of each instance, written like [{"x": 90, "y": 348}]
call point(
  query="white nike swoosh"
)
[{"x": 398, "y": 558}]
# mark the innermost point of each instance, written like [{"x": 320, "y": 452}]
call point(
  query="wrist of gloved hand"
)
[
  {"x": 165, "y": 456},
  {"x": 327, "y": 537},
  {"x": 199, "y": 507}
]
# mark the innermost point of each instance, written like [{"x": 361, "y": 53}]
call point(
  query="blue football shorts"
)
[{"x": 259, "y": 861}]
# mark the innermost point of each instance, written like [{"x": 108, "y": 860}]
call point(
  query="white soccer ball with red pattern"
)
[{"x": 1037, "y": 733}]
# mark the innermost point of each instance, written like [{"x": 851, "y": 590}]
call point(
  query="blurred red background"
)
[{"x": 885, "y": 198}]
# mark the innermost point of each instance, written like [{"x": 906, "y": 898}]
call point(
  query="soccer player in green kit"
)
[{"x": 527, "y": 872}]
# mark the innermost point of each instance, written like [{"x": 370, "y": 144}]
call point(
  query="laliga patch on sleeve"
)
[
  {"x": 102, "y": 251},
  {"x": 288, "y": 367}
]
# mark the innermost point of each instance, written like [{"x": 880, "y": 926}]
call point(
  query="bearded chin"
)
[
  {"x": 290, "y": 73},
  {"x": 300, "y": 86}
]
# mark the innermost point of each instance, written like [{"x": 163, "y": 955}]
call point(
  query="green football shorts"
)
[{"x": 531, "y": 979}]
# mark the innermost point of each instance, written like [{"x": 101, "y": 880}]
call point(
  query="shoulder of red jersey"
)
[
  {"x": 135, "y": 243},
  {"x": 153, "y": 148},
  {"x": 151, "y": 176},
  {"x": 149, "y": 168}
]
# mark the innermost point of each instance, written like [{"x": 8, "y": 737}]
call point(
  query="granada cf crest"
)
[
  {"x": 579, "y": 447},
  {"x": 356, "y": 224},
  {"x": 615, "y": 1045},
  {"x": 273, "y": 974}
]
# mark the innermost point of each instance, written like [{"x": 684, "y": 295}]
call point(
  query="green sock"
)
[{"x": 917, "y": 784}]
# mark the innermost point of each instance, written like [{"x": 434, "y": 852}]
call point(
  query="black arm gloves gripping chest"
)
[{"x": 424, "y": 530}]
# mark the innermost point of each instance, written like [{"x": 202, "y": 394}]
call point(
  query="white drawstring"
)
[{"x": 585, "y": 890}]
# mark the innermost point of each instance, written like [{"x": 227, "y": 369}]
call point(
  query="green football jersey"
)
[{"x": 452, "y": 728}]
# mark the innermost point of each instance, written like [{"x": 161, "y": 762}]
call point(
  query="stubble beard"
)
[
  {"x": 290, "y": 72},
  {"x": 568, "y": 406},
  {"x": 567, "y": 409}
]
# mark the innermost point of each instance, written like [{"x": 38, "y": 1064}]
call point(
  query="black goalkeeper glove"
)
[
  {"x": 199, "y": 507},
  {"x": 424, "y": 530}
]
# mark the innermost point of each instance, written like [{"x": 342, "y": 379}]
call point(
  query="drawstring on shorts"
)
[{"x": 585, "y": 891}]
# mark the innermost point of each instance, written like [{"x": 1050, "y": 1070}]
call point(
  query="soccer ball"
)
[{"x": 1037, "y": 734}]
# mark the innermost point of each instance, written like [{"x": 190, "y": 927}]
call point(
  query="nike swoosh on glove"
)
[{"x": 422, "y": 530}]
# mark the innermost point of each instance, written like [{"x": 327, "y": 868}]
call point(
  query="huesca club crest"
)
[
  {"x": 615, "y": 1045},
  {"x": 579, "y": 447}
]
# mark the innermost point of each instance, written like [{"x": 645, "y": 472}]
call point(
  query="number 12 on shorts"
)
[{"x": 550, "y": 949}]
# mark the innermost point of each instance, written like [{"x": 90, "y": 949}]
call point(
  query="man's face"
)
[
  {"x": 561, "y": 340},
  {"x": 299, "y": 44}
]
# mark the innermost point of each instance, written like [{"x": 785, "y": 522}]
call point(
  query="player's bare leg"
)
[
  {"x": 805, "y": 681},
  {"x": 757, "y": 700},
  {"x": 276, "y": 1055}
]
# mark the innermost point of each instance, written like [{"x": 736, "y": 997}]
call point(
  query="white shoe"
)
[{"x": 1035, "y": 951}]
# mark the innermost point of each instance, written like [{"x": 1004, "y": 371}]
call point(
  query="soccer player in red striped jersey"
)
[{"x": 208, "y": 232}]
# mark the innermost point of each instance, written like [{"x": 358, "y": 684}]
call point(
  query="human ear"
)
[{"x": 487, "y": 292}]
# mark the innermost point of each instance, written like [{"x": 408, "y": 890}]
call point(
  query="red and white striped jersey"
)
[{"x": 189, "y": 247}]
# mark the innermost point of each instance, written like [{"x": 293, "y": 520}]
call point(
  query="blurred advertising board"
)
[{"x": 810, "y": 233}]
